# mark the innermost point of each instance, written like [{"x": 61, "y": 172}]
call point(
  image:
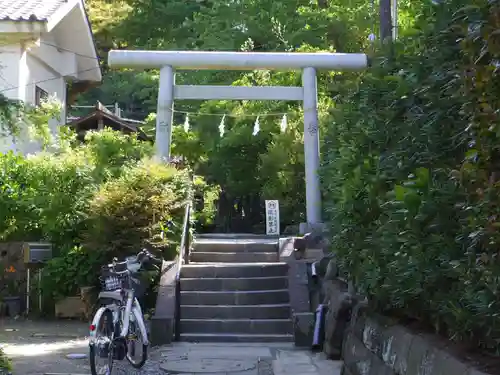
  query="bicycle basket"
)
[{"x": 112, "y": 280}]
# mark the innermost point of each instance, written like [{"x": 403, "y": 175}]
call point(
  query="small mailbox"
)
[{"x": 37, "y": 252}]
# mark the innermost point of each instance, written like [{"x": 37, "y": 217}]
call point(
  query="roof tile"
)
[{"x": 28, "y": 10}]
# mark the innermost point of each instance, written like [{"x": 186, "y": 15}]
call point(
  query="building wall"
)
[
  {"x": 11, "y": 61},
  {"x": 21, "y": 72}
]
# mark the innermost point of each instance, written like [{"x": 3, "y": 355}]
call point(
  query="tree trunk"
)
[{"x": 385, "y": 21}]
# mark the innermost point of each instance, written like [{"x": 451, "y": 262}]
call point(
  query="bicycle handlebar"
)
[
  {"x": 145, "y": 256},
  {"x": 142, "y": 258}
]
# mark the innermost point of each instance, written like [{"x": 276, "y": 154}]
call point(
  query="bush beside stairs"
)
[{"x": 234, "y": 289}]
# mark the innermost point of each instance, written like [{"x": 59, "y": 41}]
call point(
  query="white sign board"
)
[{"x": 272, "y": 218}]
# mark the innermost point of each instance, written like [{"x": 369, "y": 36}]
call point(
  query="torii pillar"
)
[{"x": 308, "y": 63}]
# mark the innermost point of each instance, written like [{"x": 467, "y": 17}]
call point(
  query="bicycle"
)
[{"x": 120, "y": 317}]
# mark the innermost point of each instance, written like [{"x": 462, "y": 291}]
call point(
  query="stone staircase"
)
[{"x": 235, "y": 290}]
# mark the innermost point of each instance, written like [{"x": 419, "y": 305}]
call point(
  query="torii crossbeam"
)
[{"x": 168, "y": 61}]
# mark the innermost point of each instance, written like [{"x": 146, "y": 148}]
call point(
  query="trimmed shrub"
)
[{"x": 131, "y": 212}]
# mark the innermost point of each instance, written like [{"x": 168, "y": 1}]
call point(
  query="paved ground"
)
[{"x": 41, "y": 349}]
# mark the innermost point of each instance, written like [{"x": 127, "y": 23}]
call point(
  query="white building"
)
[{"x": 44, "y": 45}]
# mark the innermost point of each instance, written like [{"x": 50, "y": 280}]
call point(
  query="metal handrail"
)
[{"x": 181, "y": 259}]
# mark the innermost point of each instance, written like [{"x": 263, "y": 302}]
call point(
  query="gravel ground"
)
[
  {"x": 41, "y": 348},
  {"x": 38, "y": 348}
]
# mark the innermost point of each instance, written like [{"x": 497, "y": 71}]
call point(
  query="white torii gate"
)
[{"x": 167, "y": 61}]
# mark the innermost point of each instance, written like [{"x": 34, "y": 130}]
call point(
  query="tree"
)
[{"x": 248, "y": 168}]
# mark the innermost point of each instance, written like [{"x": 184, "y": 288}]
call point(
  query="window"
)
[{"x": 40, "y": 95}]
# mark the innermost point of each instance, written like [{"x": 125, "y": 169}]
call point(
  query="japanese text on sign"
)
[{"x": 272, "y": 217}]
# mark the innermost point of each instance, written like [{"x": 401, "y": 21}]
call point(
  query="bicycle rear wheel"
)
[
  {"x": 101, "y": 349},
  {"x": 137, "y": 351}
]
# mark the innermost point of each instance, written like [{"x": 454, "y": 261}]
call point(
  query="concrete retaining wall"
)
[{"x": 163, "y": 320}]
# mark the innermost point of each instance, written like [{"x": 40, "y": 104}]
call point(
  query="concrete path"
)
[
  {"x": 41, "y": 348},
  {"x": 244, "y": 359}
]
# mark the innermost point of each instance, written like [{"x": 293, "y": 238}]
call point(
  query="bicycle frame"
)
[{"x": 132, "y": 306}]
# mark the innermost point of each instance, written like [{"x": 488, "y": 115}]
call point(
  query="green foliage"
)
[
  {"x": 5, "y": 363},
  {"x": 247, "y": 168},
  {"x": 205, "y": 207},
  {"x": 46, "y": 195},
  {"x": 110, "y": 153},
  {"x": 74, "y": 267},
  {"x": 410, "y": 175},
  {"x": 129, "y": 213},
  {"x": 19, "y": 121},
  {"x": 93, "y": 201}
]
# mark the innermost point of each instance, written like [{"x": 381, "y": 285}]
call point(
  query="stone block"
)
[
  {"x": 309, "y": 227},
  {"x": 339, "y": 308},
  {"x": 373, "y": 335},
  {"x": 162, "y": 330},
  {"x": 314, "y": 254},
  {"x": 421, "y": 357},
  {"x": 163, "y": 320},
  {"x": 358, "y": 319},
  {"x": 89, "y": 298},
  {"x": 298, "y": 288},
  {"x": 70, "y": 307},
  {"x": 474, "y": 371},
  {"x": 285, "y": 248},
  {"x": 396, "y": 343},
  {"x": 331, "y": 269},
  {"x": 322, "y": 266},
  {"x": 303, "y": 329},
  {"x": 447, "y": 364},
  {"x": 358, "y": 360}
]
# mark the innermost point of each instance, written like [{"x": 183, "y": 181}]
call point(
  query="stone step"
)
[
  {"x": 234, "y": 337},
  {"x": 246, "y": 326},
  {"x": 209, "y": 245},
  {"x": 244, "y": 236},
  {"x": 203, "y": 257},
  {"x": 229, "y": 270},
  {"x": 274, "y": 311},
  {"x": 234, "y": 284},
  {"x": 254, "y": 297}
]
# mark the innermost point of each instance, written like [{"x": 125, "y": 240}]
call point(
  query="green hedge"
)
[{"x": 411, "y": 175}]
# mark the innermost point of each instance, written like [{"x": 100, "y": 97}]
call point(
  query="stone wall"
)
[
  {"x": 374, "y": 345},
  {"x": 369, "y": 344}
]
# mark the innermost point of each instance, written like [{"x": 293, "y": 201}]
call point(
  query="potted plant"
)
[
  {"x": 12, "y": 300},
  {"x": 9, "y": 291}
]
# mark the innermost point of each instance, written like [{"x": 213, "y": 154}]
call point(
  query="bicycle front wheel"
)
[{"x": 101, "y": 351}]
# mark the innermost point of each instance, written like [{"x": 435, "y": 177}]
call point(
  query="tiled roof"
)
[{"x": 28, "y": 10}]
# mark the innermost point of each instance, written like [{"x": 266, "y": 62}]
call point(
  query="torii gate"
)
[{"x": 167, "y": 61}]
